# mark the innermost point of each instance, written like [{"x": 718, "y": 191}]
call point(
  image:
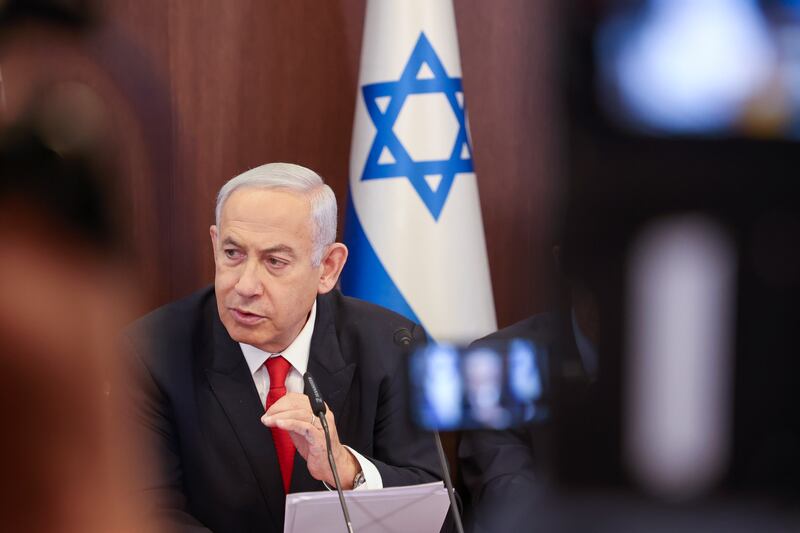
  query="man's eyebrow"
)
[
  {"x": 278, "y": 249},
  {"x": 229, "y": 240}
]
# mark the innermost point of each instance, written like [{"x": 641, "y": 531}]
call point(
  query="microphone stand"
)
[
  {"x": 318, "y": 408},
  {"x": 332, "y": 463},
  {"x": 451, "y": 492}
]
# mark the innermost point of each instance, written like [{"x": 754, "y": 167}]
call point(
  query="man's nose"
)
[{"x": 249, "y": 283}]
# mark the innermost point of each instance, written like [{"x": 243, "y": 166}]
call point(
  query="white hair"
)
[{"x": 297, "y": 179}]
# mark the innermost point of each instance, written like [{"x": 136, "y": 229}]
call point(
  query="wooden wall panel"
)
[
  {"x": 509, "y": 81},
  {"x": 252, "y": 81}
]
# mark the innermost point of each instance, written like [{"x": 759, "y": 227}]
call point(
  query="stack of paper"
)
[{"x": 418, "y": 508}]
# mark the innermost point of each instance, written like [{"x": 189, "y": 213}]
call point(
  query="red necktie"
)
[{"x": 278, "y": 368}]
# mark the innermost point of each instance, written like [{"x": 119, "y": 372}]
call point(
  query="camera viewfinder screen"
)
[{"x": 491, "y": 386}]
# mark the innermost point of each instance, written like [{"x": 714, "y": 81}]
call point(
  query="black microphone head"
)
[
  {"x": 314, "y": 395},
  {"x": 402, "y": 337}
]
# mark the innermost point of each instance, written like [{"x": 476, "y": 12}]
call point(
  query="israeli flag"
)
[{"x": 414, "y": 225}]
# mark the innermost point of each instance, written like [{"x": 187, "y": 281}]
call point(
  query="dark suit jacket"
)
[{"x": 194, "y": 400}]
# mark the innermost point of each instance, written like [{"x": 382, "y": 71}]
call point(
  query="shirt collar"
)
[{"x": 296, "y": 353}]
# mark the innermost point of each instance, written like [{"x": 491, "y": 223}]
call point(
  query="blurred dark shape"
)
[
  {"x": 78, "y": 14},
  {"x": 58, "y": 162},
  {"x": 72, "y": 55},
  {"x": 772, "y": 248},
  {"x": 61, "y": 190}
]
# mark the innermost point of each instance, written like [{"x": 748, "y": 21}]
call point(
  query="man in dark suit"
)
[{"x": 207, "y": 367}]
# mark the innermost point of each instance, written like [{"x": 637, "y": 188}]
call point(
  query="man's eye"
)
[
  {"x": 275, "y": 262},
  {"x": 230, "y": 253}
]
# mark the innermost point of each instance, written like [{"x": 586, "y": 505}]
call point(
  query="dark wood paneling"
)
[{"x": 509, "y": 82}]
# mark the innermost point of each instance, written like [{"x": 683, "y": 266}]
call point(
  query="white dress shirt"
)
[{"x": 297, "y": 354}]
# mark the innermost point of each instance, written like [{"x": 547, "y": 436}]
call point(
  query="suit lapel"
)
[
  {"x": 326, "y": 363},
  {"x": 332, "y": 373},
  {"x": 233, "y": 387}
]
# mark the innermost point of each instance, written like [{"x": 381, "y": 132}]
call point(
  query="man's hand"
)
[{"x": 293, "y": 413}]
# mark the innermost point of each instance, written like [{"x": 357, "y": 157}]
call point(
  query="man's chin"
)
[
  {"x": 248, "y": 335},
  {"x": 242, "y": 332}
]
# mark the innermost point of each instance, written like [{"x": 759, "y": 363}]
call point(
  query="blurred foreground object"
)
[
  {"x": 62, "y": 304},
  {"x": 712, "y": 68},
  {"x": 70, "y": 71},
  {"x": 76, "y": 14},
  {"x": 688, "y": 231}
]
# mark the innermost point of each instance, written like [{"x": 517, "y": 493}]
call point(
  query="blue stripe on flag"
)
[{"x": 364, "y": 275}]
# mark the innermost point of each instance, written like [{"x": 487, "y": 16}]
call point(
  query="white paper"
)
[{"x": 418, "y": 508}]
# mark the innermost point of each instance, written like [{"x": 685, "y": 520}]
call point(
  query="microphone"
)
[
  {"x": 318, "y": 407},
  {"x": 402, "y": 337},
  {"x": 314, "y": 395}
]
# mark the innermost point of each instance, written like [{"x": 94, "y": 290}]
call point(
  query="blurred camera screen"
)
[
  {"x": 701, "y": 67},
  {"x": 491, "y": 386}
]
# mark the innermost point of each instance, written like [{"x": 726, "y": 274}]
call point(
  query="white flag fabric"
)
[{"x": 414, "y": 224}]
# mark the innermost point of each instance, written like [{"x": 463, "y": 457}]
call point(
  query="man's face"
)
[{"x": 265, "y": 282}]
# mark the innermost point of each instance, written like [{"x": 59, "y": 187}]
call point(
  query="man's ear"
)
[
  {"x": 331, "y": 267},
  {"x": 214, "y": 237}
]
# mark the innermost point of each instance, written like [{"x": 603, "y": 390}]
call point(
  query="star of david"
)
[{"x": 388, "y": 158}]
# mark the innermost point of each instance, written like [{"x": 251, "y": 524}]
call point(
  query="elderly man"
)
[{"x": 219, "y": 394}]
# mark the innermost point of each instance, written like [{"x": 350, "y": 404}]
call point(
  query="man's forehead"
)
[
  {"x": 262, "y": 234},
  {"x": 270, "y": 207},
  {"x": 246, "y": 195},
  {"x": 268, "y": 216}
]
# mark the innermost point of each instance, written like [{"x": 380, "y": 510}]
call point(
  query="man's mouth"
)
[{"x": 246, "y": 317}]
